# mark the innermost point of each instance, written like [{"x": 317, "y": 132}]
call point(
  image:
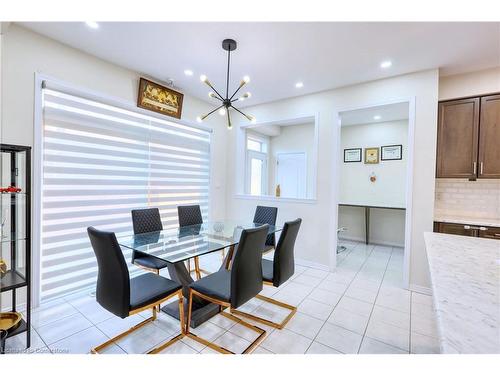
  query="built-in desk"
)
[{"x": 367, "y": 214}]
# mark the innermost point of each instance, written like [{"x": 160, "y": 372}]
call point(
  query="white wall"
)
[
  {"x": 317, "y": 238},
  {"x": 293, "y": 138},
  {"x": 469, "y": 84},
  {"x": 390, "y": 187},
  {"x": 25, "y": 53},
  {"x": 386, "y": 226}
]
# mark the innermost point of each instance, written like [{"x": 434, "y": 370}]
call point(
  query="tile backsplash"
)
[{"x": 477, "y": 199}]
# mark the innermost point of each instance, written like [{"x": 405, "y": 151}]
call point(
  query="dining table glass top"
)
[{"x": 180, "y": 244}]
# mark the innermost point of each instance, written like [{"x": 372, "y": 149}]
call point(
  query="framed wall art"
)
[
  {"x": 352, "y": 155},
  {"x": 392, "y": 152},
  {"x": 158, "y": 98},
  {"x": 371, "y": 155}
]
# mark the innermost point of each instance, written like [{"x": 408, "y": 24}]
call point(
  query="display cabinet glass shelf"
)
[{"x": 15, "y": 251}]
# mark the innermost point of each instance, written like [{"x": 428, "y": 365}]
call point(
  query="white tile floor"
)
[{"x": 359, "y": 308}]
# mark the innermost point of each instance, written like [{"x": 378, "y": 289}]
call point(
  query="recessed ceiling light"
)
[
  {"x": 92, "y": 24},
  {"x": 188, "y": 72},
  {"x": 299, "y": 85},
  {"x": 386, "y": 64},
  {"x": 377, "y": 117}
]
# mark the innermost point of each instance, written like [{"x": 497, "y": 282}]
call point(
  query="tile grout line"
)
[
  {"x": 342, "y": 296},
  {"x": 373, "y": 306}
]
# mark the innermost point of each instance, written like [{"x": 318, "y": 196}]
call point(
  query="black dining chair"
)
[
  {"x": 123, "y": 296},
  {"x": 189, "y": 216},
  {"x": 267, "y": 215},
  {"x": 145, "y": 221},
  {"x": 278, "y": 271},
  {"x": 232, "y": 288}
]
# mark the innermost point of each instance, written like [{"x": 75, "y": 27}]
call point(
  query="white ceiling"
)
[
  {"x": 277, "y": 55},
  {"x": 389, "y": 112}
]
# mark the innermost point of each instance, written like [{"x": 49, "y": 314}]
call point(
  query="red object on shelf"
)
[{"x": 10, "y": 189}]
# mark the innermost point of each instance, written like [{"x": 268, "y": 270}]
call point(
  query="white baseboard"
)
[
  {"x": 362, "y": 239},
  {"x": 308, "y": 263},
  {"x": 421, "y": 289}
]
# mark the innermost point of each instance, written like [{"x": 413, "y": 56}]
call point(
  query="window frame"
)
[
  {"x": 40, "y": 82},
  {"x": 252, "y": 154}
]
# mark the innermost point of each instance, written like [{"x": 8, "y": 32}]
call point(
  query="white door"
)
[{"x": 291, "y": 174}]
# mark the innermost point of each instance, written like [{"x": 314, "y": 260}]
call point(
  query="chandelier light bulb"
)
[
  {"x": 199, "y": 119},
  {"x": 247, "y": 95},
  {"x": 211, "y": 94},
  {"x": 246, "y": 79},
  {"x": 222, "y": 111},
  {"x": 203, "y": 78}
]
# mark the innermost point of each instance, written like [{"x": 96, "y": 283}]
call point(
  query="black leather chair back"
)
[
  {"x": 189, "y": 215},
  {"x": 284, "y": 261},
  {"x": 266, "y": 215},
  {"x": 246, "y": 268},
  {"x": 146, "y": 220},
  {"x": 113, "y": 281}
]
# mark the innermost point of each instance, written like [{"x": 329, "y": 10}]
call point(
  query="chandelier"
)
[{"x": 226, "y": 103}]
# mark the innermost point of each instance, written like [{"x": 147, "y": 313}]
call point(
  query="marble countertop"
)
[
  {"x": 463, "y": 219},
  {"x": 465, "y": 275}
]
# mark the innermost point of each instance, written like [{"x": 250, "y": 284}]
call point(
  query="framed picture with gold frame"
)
[
  {"x": 158, "y": 98},
  {"x": 371, "y": 155}
]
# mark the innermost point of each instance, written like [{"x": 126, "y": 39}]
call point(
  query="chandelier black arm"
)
[
  {"x": 213, "y": 88},
  {"x": 238, "y": 89},
  {"x": 209, "y": 113},
  {"x": 236, "y": 109}
]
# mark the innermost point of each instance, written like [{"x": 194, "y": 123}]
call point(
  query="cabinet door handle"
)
[
  {"x": 466, "y": 226},
  {"x": 481, "y": 168},
  {"x": 483, "y": 228},
  {"x": 474, "y": 167}
]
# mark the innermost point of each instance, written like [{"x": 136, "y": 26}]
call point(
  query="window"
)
[
  {"x": 100, "y": 162},
  {"x": 256, "y": 168}
]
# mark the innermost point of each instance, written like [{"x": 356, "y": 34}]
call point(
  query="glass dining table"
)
[{"x": 178, "y": 245}]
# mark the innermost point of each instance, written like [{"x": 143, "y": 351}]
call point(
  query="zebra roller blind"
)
[{"x": 101, "y": 161}]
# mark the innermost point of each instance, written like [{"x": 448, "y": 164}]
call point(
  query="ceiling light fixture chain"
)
[{"x": 227, "y": 101}]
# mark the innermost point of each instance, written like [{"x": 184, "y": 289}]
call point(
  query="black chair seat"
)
[
  {"x": 148, "y": 288},
  {"x": 216, "y": 285},
  {"x": 267, "y": 270},
  {"x": 149, "y": 261}
]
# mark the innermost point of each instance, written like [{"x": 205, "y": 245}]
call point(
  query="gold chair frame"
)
[
  {"x": 280, "y": 325},
  {"x": 152, "y": 306},
  {"x": 223, "y": 304}
]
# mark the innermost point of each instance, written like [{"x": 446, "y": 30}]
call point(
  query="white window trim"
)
[{"x": 241, "y": 159}]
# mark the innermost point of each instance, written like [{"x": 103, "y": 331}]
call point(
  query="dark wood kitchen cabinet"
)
[
  {"x": 469, "y": 138},
  {"x": 490, "y": 232},
  {"x": 489, "y": 138},
  {"x": 469, "y": 230},
  {"x": 451, "y": 228}
]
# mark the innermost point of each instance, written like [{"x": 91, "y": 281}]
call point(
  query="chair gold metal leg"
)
[
  {"x": 211, "y": 345},
  {"x": 279, "y": 325},
  {"x": 197, "y": 267},
  {"x": 95, "y": 350}
]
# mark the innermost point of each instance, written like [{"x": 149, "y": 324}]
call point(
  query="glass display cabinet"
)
[{"x": 15, "y": 255}]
